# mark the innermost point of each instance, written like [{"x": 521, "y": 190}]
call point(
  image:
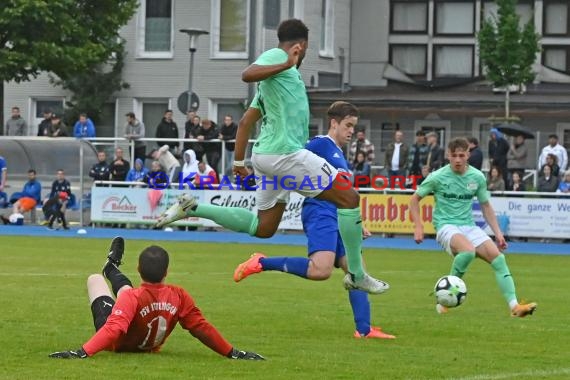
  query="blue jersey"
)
[
  {"x": 320, "y": 221},
  {"x": 2, "y": 165},
  {"x": 325, "y": 147}
]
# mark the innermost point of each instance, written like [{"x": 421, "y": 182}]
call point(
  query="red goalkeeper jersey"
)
[{"x": 142, "y": 318}]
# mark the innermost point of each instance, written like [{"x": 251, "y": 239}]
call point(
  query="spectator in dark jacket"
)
[
  {"x": 436, "y": 154},
  {"x": 228, "y": 132},
  {"x": 58, "y": 128},
  {"x": 475, "y": 153},
  {"x": 100, "y": 171},
  {"x": 120, "y": 167},
  {"x": 167, "y": 129},
  {"x": 209, "y": 131},
  {"x": 547, "y": 183},
  {"x": 59, "y": 185},
  {"x": 498, "y": 149},
  {"x": 418, "y": 154},
  {"x": 191, "y": 128},
  {"x": 45, "y": 125}
]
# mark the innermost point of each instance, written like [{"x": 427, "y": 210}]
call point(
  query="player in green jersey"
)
[
  {"x": 281, "y": 162},
  {"x": 454, "y": 187}
]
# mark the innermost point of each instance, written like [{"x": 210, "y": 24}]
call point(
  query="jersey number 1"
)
[{"x": 156, "y": 333}]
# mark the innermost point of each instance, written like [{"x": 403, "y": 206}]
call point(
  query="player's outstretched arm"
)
[
  {"x": 491, "y": 218},
  {"x": 257, "y": 73},
  {"x": 415, "y": 214},
  {"x": 71, "y": 354}
]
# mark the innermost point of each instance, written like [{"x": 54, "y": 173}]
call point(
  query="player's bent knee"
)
[{"x": 94, "y": 279}]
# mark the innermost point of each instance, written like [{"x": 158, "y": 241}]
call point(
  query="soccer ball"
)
[{"x": 450, "y": 291}]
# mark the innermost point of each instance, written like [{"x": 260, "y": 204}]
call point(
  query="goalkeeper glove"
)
[
  {"x": 244, "y": 355},
  {"x": 71, "y": 354}
]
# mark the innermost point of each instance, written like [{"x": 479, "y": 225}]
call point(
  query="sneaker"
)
[
  {"x": 441, "y": 309},
  {"x": 375, "y": 333},
  {"x": 368, "y": 284},
  {"x": 248, "y": 267},
  {"x": 177, "y": 211},
  {"x": 115, "y": 253},
  {"x": 522, "y": 310}
]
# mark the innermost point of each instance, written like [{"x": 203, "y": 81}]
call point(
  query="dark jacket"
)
[
  {"x": 210, "y": 134},
  {"x": 190, "y": 132},
  {"x": 547, "y": 186},
  {"x": 166, "y": 130},
  {"x": 100, "y": 171},
  {"x": 229, "y": 133},
  {"x": 119, "y": 171},
  {"x": 417, "y": 158},
  {"x": 436, "y": 157},
  {"x": 57, "y": 187},
  {"x": 498, "y": 150},
  {"x": 476, "y": 158},
  {"x": 44, "y": 127},
  {"x": 404, "y": 154}
]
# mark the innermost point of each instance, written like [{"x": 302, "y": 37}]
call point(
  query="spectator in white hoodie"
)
[
  {"x": 190, "y": 166},
  {"x": 556, "y": 149}
]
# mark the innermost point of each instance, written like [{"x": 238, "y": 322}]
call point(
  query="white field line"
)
[{"x": 532, "y": 374}]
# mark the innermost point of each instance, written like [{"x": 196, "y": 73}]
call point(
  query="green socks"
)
[
  {"x": 504, "y": 279},
  {"x": 460, "y": 263},
  {"x": 350, "y": 228},
  {"x": 233, "y": 218}
]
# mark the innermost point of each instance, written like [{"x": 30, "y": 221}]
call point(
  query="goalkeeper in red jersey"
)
[{"x": 140, "y": 319}]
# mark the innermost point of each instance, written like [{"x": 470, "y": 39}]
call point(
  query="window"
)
[
  {"x": 272, "y": 13},
  {"x": 155, "y": 29},
  {"x": 524, "y": 9},
  {"x": 454, "y": 61},
  {"x": 230, "y": 20},
  {"x": 152, "y": 113},
  {"x": 455, "y": 18},
  {"x": 410, "y": 59},
  {"x": 556, "y": 57},
  {"x": 327, "y": 29},
  {"x": 296, "y": 9},
  {"x": 409, "y": 17},
  {"x": 556, "y": 18}
]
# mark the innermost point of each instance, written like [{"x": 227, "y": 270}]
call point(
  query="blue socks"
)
[
  {"x": 361, "y": 310},
  {"x": 294, "y": 265}
]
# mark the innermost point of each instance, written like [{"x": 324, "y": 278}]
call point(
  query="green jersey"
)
[
  {"x": 284, "y": 105},
  {"x": 454, "y": 194}
]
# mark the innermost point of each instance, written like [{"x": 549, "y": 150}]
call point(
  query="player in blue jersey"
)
[{"x": 320, "y": 223}]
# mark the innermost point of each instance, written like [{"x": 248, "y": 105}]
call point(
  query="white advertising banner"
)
[
  {"x": 531, "y": 217},
  {"x": 144, "y": 206}
]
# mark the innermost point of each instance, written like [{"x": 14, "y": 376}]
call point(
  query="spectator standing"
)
[
  {"x": 45, "y": 125},
  {"x": 361, "y": 144},
  {"x": 119, "y": 167},
  {"x": 57, "y": 128},
  {"x": 436, "y": 154},
  {"x": 517, "y": 155},
  {"x": 137, "y": 172},
  {"x": 555, "y": 148},
  {"x": 228, "y": 132},
  {"x": 418, "y": 154},
  {"x": 84, "y": 127},
  {"x": 212, "y": 150},
  {"x": 167, "y": 129},
  {"x": 16, "y": 125},
  {"x": 397, "y": 154},
  {"x": 498, "y": 149},
  {"x": 190, "y": 129},
  {"x": 100, "y": 171},
  {"x": 547, "y": 183},
  {"x": 134, "y": 131},
  {"x": 475, "y": 153},
  {"x": 552, "y": 161}
]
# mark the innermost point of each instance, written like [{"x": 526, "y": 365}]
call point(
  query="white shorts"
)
[
  {"x": 279, "y": 174},
  {"x": 473, "y": 233}
]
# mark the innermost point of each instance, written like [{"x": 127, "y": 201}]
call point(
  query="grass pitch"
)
[{"x": 303, "y": 328}]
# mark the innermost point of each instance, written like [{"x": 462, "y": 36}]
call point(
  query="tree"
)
[
  {"x": 508, "y": 53},
  {"x": 64, "y": 37},
  {"x": 93, "y": 87}
]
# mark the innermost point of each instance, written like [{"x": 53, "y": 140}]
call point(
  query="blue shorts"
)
[{"x": 321, "y": 227}]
